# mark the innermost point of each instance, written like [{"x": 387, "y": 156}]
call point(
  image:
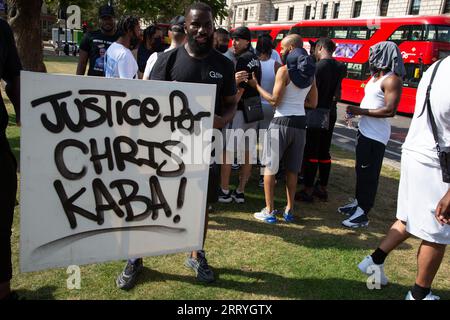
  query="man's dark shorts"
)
[{"x": 213, "y": 183}]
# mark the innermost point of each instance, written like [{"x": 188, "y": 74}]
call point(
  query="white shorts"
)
[
  {"x": 241, "y": 137},
  {"x": 421, "y": 188}
]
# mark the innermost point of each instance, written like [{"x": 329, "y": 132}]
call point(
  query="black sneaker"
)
[
  {"x": 357, "y": 220},
  {"x": 200, "y": 267},
  {"x": 127, "y": 279},
  {"x": 319, "y": 193},
  {"x": 225, "y": 197},
  {"x": 238, "y": 196},
  {"x": 303, "y": 196}
]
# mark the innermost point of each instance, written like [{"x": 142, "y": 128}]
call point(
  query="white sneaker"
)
[
  {"x": 357, "y": 220},
  {"x": 266, "y": 216},
  {"x": 429, "y": 296},
  {"x": 367, "y": 266},
  {"x": 349, "y": 208}
]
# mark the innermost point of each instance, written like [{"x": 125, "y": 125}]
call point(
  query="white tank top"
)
[
  {"x": 293, "y": 102},
  {"x": 378, "y": 129},
  {"x": 267, "y": 77}
]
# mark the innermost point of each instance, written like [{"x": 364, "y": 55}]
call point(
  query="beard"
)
[
  {"x": 106, "y": 28},
  {"x": 200, "y": 48}
]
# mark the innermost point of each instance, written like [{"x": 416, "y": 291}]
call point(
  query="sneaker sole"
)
[
  {"x": 356, "y": 226},
  {"x": 239, "y": 200},
  {"x": 265, "y": 221},
  {"x": 225, "y": 200}
]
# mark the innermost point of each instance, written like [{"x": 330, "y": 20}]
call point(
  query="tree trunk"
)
[{"x": 25, "y": 21}]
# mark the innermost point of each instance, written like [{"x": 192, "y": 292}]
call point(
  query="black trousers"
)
[
  {"x": 369, "y": 159},
  {"x": 8, "y": 189},
  {"x": 317, "y": 154}
]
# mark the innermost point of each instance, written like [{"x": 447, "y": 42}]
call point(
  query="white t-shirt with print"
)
[{"x": 120, "y": 63}]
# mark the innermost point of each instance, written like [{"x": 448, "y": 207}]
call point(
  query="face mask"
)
[
  {"x": 157, "y": 44},
  {"x": 134, "y": 42},
  {"x": 222, "y": 48}
]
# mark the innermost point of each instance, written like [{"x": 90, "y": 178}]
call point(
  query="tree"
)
[
  {"x": 25, "y": 21},
  {"x": 150, "y": 11}
]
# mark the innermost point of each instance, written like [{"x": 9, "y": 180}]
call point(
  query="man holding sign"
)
[
  {"x": 10, "y": 67},
  {"x": 195, "y": 62}
]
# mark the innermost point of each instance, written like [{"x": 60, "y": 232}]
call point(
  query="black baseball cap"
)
[
  {"x": 106, "y": 10},
  {"x": 177, "y": 24},
  {"x": 242, "y": 33}
]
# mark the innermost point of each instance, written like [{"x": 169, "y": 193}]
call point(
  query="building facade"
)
[{"x": 256, "y": 12}]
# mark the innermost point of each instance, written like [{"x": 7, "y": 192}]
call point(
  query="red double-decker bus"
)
[
  {"x": 422, "y": 40},
  {"x": 276, "y": 31}
]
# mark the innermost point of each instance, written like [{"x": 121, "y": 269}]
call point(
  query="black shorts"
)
[{"x": 213, "y": 183}]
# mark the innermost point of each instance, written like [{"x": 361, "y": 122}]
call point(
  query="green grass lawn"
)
[{"x": 313, "y": 258}]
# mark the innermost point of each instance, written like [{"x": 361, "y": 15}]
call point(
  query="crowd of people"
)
[{"x": 294, "y": 98}]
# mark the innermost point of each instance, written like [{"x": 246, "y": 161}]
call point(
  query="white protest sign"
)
[{"x": 100, "y": 175}]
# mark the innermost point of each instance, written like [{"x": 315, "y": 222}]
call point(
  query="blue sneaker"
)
[
  {"x": 288, "y": 216},
  {"x": 265, "y": 216}
]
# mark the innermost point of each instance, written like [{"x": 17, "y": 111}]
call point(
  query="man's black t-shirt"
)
[
  {"x": 248, "y": 61},
  {"x": 10, "y": 67},
  {"x": 95, "y": 44},
  {"x": 214, "y": 69},
  {"x": 329, "y": 74}
]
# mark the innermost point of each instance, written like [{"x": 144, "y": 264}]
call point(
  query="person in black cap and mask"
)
[
  {"x": 294, "y": 89},
  {"x": 95, "y": 43},
  {"x": 152, "y": 42},
  {"x": 177, "y": 38},
  {"x": 247, "y": 63}
]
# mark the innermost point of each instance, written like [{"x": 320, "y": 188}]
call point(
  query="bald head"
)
[
  {"x": 289, "y": 43},
  {"x": 292, "y": 40}
]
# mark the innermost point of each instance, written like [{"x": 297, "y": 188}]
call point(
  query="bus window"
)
[
  {"x": 413, "y": 75},
  {"x": 437, "y": 33},
  {"x": 443, "y": 33},
  {"x": 339, "y": 33},
  {"x": 416, "y": 33},
  {"x": 280, "y": 36},
  {"x": 257, "y": 33},
  {"x": 361, "y": 33},
  {"x": 312, "y": 32},
  {"x": 430, "y": 33},
  {"x": 401, "y": 34}
]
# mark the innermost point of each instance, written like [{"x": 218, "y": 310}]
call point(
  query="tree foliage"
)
[{"x": 150, "y": 11}]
